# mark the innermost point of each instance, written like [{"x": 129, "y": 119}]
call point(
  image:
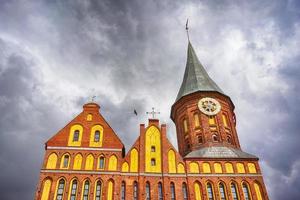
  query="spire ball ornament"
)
[{"x": 209, "y": 106}]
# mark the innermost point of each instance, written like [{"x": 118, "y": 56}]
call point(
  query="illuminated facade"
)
[{"x": 86, "y": 160}]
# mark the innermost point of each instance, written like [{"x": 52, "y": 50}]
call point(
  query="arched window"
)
[
  {"x": 215, "y": 138},
  {"x": 135, "y": 190},
  {"x": 196, "y": 120},
  {"x": 160, "y": 191},
  {"x": 206, "y": 168},
  {"x": 229, "y": 139},
  {"x": 123, "y": 190},
  {"x": 200, "y": 139},
  {"x": 222, "y": 191},
  {"x": 76, "y": 136},
  {"x": 172, "y": 188},
  {"x": 110, "y": 190},
  {"x": 51, "y": 163},
  {"x": 197, "y": 191},
  {"x": 97, "y": 136},
  {"x": 98, "y": 190},
  {"x": 234, "y": 192},
  {"x": 65, "y": 161},
  {"x": 184, "y": 191},
  {"x": 210, "y": 193},
  {"x": 77, "y": 162},
  {"x": 246, "y": 191},
  {"x": 101, "y": 162},
  {"x": 258, "y": 191},
  {"x": 218, "y": 168},
  {"x": 73, "y": 189},
  {"x": 229, "y": 168},
  {"x": 148, "y": 195},
  {"x": 46, "y": 189},
  {"x": 185, "y": 126},
  {"x": 89, "y": 162},
  {"x": 153, "y": 162},
  {"x": 212, "y": 120},
  {"x": 112, "y": 163},
  {"x": 240, "y": 167},
  {"x": 60, "y": 189},
  {"x": 86, "y": 190}
]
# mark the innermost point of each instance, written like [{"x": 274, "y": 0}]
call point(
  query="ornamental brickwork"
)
[{"x": 86, "y": 160}]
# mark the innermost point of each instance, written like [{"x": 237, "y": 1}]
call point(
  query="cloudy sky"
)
[{"x": 55, "y": 55}]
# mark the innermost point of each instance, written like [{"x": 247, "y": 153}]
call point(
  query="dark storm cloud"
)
[{"x": 131, "y": 54}]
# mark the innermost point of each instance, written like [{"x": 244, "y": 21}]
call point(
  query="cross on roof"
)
[{"x": 153, "y": 113}]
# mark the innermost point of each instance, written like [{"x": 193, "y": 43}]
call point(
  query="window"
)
[
  {"x": 160, "y": 192},
  {"x": 229, "y": 139},
  {"x": 148, "y": 196},
  {"x": 184, "y": 191},
  {"x": 196, "y": 120},
  {"x": 153, "y": 162},
  {"x": 101, "y": 163},
  {"x": 97, "y": 136},
  {"x": 211, "y": 120},
  {"x": 172, "y": 187},
  {"x": 215, "y": 138},
  {"x": 222, "y": 191},
  {"x": 185, "y": 126},
  {"x": 246, "y": 191},
  {"x": 225, "y": 121},
  {"x": 76, "y": 136},
  {"x": 66, "y": 161},
  {"x": 152, "y": 148},
  {"x": 73, "y": 190},
  {"x": 135, "y": 190},
  {"x": 86, "y": 190},
  {"x": 60, "y": 189},
  {"x": 98, "y": 190},
  {"x": 200, "y": 140},
  {"x": 210, "y": 192},
  {"x": 123, "y": 191},
  {"x": 234, "y": 192}
]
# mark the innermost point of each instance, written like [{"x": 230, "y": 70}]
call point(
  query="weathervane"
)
[
  {"x": 93, "y": 98},
  {"x": 153, "y": 113},
  {"x": 187, "y": 29}
]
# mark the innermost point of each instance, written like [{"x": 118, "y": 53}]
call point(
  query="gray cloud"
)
[{"x": 131, "y": 54}]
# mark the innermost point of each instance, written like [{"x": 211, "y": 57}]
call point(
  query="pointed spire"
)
[{"x": 195, "y": 77}]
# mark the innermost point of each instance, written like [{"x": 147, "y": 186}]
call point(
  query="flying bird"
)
[{"x": 134, "y": 111}]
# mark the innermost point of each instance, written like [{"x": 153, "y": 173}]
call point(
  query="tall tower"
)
[{"x": 203, "y": 114}]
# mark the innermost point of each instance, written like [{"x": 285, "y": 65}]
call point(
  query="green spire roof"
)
[{"x": 195, "y": 77}]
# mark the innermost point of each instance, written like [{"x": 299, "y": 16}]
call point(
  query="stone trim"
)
[{"x": 83, "y": 148}]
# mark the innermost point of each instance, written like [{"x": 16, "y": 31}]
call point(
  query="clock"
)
[{"x": 209, "y": 106}]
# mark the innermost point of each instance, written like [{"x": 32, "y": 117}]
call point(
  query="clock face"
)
[{"x": 209, "y": 106}]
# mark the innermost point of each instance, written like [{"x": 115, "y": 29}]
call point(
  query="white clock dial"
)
[{"x": 209, "y": 106}]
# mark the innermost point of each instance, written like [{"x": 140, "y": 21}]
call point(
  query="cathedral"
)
[{"x": 86, "y": 160}]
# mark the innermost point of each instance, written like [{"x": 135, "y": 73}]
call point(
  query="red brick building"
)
[{"x": 86, "y": 160}]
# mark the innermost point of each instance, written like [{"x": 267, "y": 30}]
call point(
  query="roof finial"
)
[{"x": 187, "y": 28}]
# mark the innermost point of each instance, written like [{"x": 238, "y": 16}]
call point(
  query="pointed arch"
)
[
  {"x": 210, "y": 191},
  {"x": 234, "y": 191},
  {"x": 65, "y": 161},
  {"x": 60, "y": 188},
  {"x": 135, "y": 190},
  {"x": 112, "y": 163},
  {"x": 258, "y": 191},
  {"x": 160, "y": 191},
  {"x": 89, "y": 162},
  {"x": 172, "y": 161},
  {"x": 197, "y": 190},
  {"x": 125, "y": 167},
  {"x": 52, "y": 160},
  {"x": 172, "y": 189},
  {"x": 86, "y": 187},
  {"x": 77, "y": 162},
  {"x": 101, "y": 162},
  {"x": 110, "y": 190},
  {"x": 123, "y": 190},
  {"x": 153, "y": 141},
  {"x": 180, "y": 168},
  {"x": 194, "y": 167},
  {"x": 46, "y": 189},
  {"x": 246, "y": 190},
  {"x": 98, "y": 190},
  {"x": 73, "y": 189},
  {"x": 222, "y": 191},
  {"x": 148, "y": 191},
  {"x": 134, "y": 160},
  {"x": 184, "y": 191}
]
